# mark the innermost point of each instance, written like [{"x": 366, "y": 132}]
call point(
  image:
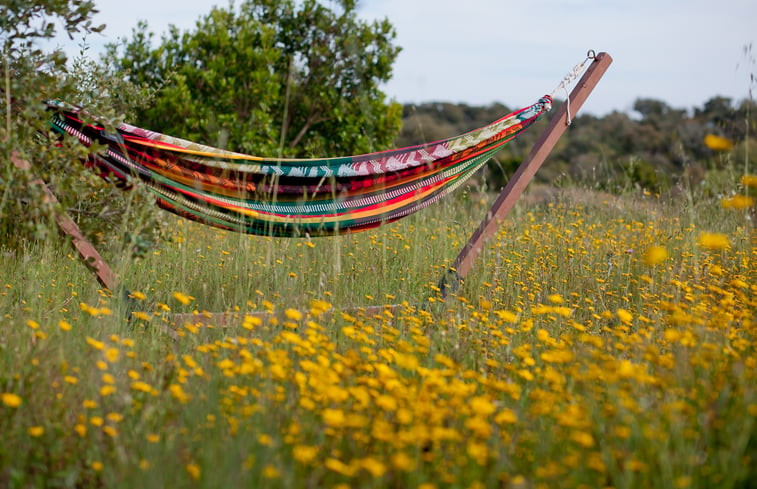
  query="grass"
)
[{"x": 600, "y": 341}]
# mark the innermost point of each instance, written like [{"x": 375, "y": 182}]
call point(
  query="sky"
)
[{"x": 477, "y": 52}]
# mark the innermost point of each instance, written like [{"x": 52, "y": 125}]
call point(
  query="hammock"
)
[{"x": 293, "y": 197}]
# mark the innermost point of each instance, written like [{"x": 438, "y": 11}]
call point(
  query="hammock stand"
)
[{"x": 454, "y": 277}]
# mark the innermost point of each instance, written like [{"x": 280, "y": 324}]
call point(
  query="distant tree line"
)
[{"x": 655, "y": 147}]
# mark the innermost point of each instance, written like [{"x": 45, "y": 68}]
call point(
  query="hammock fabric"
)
[{"x": 294, "y": 197}]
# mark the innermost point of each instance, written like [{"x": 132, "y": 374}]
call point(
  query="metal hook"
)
[{"x": 591, "y": 54}]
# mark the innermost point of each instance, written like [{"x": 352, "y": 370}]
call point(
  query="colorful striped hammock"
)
[{"x": 294, "y": 197}]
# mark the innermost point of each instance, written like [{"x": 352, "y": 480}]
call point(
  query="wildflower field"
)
[{"x": 600, "y": 341}]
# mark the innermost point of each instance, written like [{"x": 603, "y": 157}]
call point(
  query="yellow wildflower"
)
[
  {"x": 718, "y": 143},
  {"x": 582, "y": 438},
  {"x": 304, "y": 454},
  {"x": 333, "y": 417},
  {"x": 193, "y": 470},
  {"x": 713, "y": 241},
  {"x": 183, "y": 298},
  {"x": 749, "y": 181},
  {"x": 177, "y": 392},
  {"x": 339, "y": 467},
  {"x": 672, "y": 335},
  {"x": 373, "y": 466},
  {"x": 141, "y": 315},
  {"x": 562, "y": 311},
  {"x": 293, "y": 314},
  {"x": 507, "y": 316},
  {"x": 271, "y": 472},
  {"x": 318, "y": 307},
  {"x": 387, "y": 403},
  {"x": 478, "y": 451},
  {"x": 96, "y": 466},
  {"x": 623, "y": 432},
  {"x": 482, "y": 406},
  {"x": 401, "y": 461},
  {"x": 36, "y": 431},
  {"x": 250, "y": 322},
  {"x": 543, "y": 335},
  {"x": 655, "y": 255},
  {"x": 737, "y": 202},
  {"x": 11, "y": 400},
  {"x": 265, "y": 439},
  {"x": 97, "y": 345},
  {"x": 111, "y": 355},
  {"x": 141, "y": 386},
  {"x": 115, "y": 417},
  {"x": 506, "y": 416},
  {"x": 624, "y": 316},
  {"x": 626, "y": 369}
]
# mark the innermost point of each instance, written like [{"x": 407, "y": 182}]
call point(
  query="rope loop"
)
[{"x": 570, "y": 77}]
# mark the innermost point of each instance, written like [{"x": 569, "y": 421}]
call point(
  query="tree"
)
[
  {"x": 270, "y": 77},
  {"x": 30, "y": 76}
]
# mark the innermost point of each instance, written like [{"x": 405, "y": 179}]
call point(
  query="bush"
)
[{"x": 32, "y": 76}]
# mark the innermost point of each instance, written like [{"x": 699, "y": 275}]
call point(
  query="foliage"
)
[
  {"x": 270, "y": 77},
  {"x": 658, "y": 149},
  {"x": 31, "y": 75}
]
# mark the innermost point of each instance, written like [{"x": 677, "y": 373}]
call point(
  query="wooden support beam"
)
[
  {"x": 86, "y": 250},
  {"x": 524, "y": 174}
]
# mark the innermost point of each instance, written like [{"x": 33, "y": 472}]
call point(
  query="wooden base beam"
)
[{"x": 227, "y": 319}]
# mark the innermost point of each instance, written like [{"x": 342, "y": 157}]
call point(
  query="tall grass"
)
[{"x": 600, "y": 341}]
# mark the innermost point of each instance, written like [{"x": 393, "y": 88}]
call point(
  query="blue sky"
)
[{"x": 483, "y": 51}]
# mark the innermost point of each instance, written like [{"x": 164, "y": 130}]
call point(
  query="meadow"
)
[{"x": 600, "y": 341}]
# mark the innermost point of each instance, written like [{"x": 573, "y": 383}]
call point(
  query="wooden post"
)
[
  {"x": 88, "y": 252},
  {"x": 524, "y": 174}
]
